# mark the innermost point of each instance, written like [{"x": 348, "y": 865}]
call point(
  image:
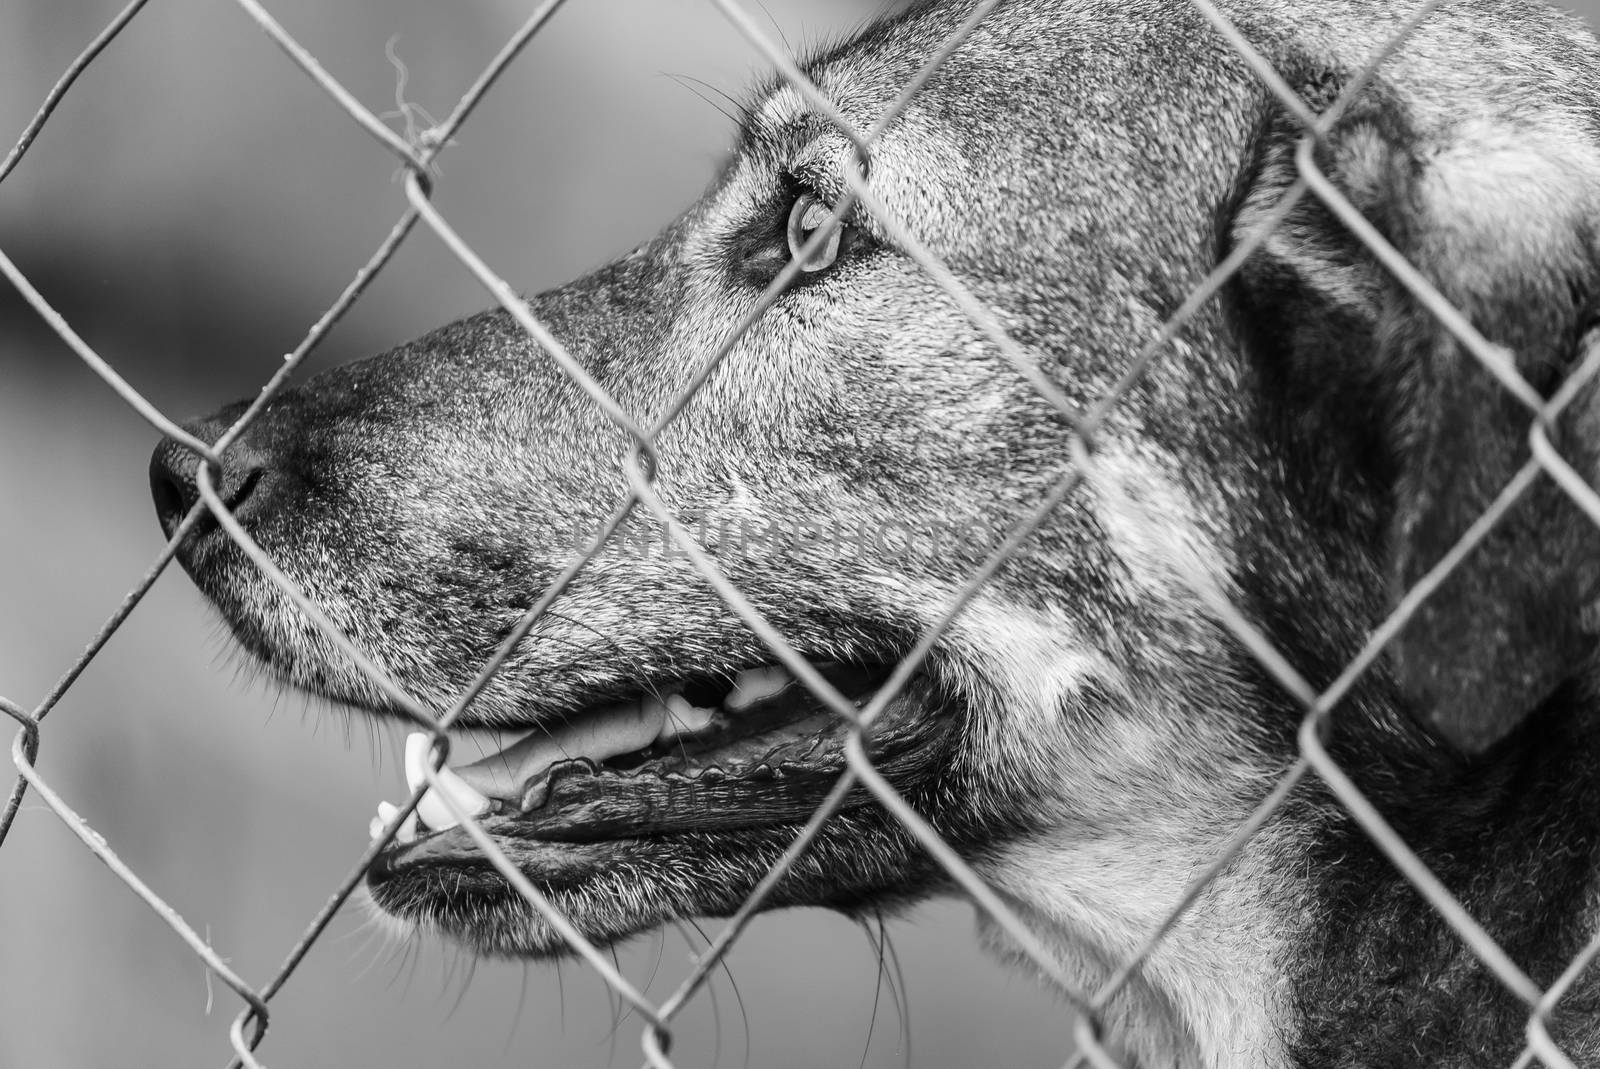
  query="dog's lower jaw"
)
[
  {"x": 1213, "y": 993},
  {"x": 614, "y": 889}
]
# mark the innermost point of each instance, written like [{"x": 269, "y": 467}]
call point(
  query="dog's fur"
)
[{"x": 1087, "y": 735}]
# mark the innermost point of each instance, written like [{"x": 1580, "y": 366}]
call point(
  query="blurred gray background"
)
[{"x": 192, "y": 208}]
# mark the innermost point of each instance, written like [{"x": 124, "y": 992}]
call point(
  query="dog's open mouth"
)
[{"x": 755, "y": 748}]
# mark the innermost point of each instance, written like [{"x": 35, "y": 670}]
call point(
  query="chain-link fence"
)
[{"x": 418, "y": 156}]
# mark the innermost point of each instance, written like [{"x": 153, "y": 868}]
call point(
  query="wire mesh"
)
[{"x": 418, "y": 157}]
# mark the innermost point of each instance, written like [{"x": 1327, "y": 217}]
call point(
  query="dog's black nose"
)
[{"x": 173, "y": 469}]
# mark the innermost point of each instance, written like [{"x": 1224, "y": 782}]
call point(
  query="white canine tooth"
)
[
  {"x": 683, "y": 718},
  {"x": 432, "y": 810},
  {"x": 434, "y": 813},
  {"x": 386, "y": 813},
  {"x": 754, "y": 684}
]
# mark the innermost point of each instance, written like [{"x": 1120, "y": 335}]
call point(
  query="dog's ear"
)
[{"x": 1501, "y": 222}]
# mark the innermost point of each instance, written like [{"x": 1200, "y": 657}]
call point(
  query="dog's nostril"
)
[
  {"x": 175, "y": 491},
  {"x": 172, "y": 484},
  {"x": 171, "y": 503},
  {"x": 246, "y": 484}
]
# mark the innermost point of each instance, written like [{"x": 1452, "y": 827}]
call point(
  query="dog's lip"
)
[
  {"x": 662, "y": 728},
  {"x": 579, "y": 802},
  {"x": 767, "y": 727}
]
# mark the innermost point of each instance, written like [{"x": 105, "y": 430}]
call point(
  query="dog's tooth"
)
[
  {"x": 387, "y": 811},
  {"x": 754, "y": 684},
  {"x": 436, "y": 814},
  {"x": 682, "y": 718},
  {"x": 432, "y": 810},
  {"x": 623, "y": 730},
  {"x": 609, "y": 732},
  {"x": 655, "y": 708}
]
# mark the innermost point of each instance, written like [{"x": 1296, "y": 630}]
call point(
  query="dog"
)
[{"x": 1088, "y": 734}]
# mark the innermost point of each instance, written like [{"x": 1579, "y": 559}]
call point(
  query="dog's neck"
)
[
  {"x": 1311, "y": 950},
  {"x": 1515, "y": 836},
  {"x": 1214, "y": 991}
]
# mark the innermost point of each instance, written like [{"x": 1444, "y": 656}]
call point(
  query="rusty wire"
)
[{"x": 250, "y": 1027}]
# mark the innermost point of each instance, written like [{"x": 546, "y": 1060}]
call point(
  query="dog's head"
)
[{"x": 1314, "y": 442}]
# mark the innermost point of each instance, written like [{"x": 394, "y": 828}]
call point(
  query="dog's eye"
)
[{"x": 808, "y": 214}]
